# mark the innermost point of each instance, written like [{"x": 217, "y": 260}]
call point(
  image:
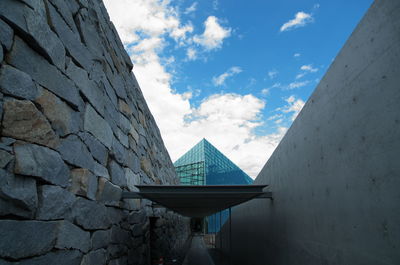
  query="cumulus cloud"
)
[
  {"x": 227, "y": 120},
  {"x": 220, "y": 80},
  {"x": 294, "y": 105},
  {"x": 300, "y": 20},
  {"x": 213, "y": 35},
  {"x": 296, "y": 55}
]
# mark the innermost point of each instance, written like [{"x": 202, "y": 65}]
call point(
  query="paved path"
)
[{"x": 198, "y": 254}]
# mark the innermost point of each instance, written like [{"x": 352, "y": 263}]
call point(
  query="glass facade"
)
[{"x": 206, "y": 165}]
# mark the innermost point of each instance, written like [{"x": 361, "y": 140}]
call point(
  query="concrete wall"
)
[
  {"x": 335, "y": 175},
  {"x": 75, "y": 133}
]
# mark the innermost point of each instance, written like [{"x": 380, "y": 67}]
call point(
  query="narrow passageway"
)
[{"x": 198, "y": 254}]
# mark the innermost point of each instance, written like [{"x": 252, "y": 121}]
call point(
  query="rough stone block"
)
[
  {"x": 32, "y": 24},
  {"x": 96, "y": 257},
  {"x": 5, "y": 158},
  {"x": 17, "y": 83},
  {"x": 100, "y": 171},
  {"x": 132, "y": 179},
  {"x": 41, "y": 162},
  {"x": 133, "y": 132},
  {"x": 84, "y": 183},
  {"x": 90, "y": 215},
  {"x": 90, "y": 89},
  {"x": 90, "y": 32},
  {"x": 100, "y": 239},
  {"x": 60, "y": 257},
  {"x": 54, "y": 202},
  {"x": 22, "y": 120},
  {"x": 123, "y": 138},
  {"x": 97, "y": 149},
  {"x": 119, "y": 86},
  {"x": 119, "y": 236},
  {"x": 75, "y": 152},
  {"x": 5, "y": 143},
  {"x": 117, "y": 250},
  {"x": 97, "y": 126},
  {"x": 21, "y": 239},
  {"x": 6, "y": 36},
  {"x": 1, "y": 53},
  {"x": 137, "y": 230},
  {"x": 17, "y": 195},
  {"x": 132, "y": 144},
  {"x": 124, "y": 108},
  {"x": 63, "y": 8},
  {"x": 24, "y": 58},
  {"x": 145, "y": 165},
  {"x": 137, "y": 217},
  {"x": 108, "y": 193},
  {"x": 117, "y": 174},
  {"x": 131, "y": 204},
  {"x": 72, "y": 237},
  {"x": 124, "y": 123},
  {"x": 63, "y": 119},
  {"x": 118, "y": 151},
  {"x": 116, "y": 215},
  {"x": 110, "y": 91}
]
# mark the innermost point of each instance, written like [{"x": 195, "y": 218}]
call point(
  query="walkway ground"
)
[{"x": 198, "y": 253}]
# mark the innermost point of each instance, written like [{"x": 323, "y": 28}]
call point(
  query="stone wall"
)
[
  {"x": 335, "y": 176},
  {"x": 75, "y": 133}
]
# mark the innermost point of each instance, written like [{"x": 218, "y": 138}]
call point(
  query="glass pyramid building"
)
[{"x": 206, "y": 165}]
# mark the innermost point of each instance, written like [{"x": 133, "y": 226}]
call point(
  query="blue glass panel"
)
[{"x": 206, "y": 165}]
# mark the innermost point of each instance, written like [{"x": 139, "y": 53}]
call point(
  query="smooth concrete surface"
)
[
  {"x": 335, "y": 176},
  {"x": 198, "y": 254}
]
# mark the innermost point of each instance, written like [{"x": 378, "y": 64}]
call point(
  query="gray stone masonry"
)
[{"x": 75, "y": 133}]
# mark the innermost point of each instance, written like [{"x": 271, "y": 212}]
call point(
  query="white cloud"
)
[
  {"x": 191, "y": 54},
  {"x": 293, "y": 105},
  {"x": 274, "y": 117},
  {"x": 226, "y": 120},
  {"x": 296, "y": 84},
  {"x": 308, "y": 68},
  {"x": 151, "y": 17},
  {"x": 300, "y": 20},
  {"x": 265, "y": 91},
  {"x": 272, "y": 74},
  {"x": 213, "y": 35},
  {"x": 191, "y": 8},
  {"x": 296, "y": 55},
  {"x": 220, "y": 80}
]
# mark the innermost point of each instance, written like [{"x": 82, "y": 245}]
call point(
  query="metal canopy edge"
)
[{"x": 199, "y": 200}]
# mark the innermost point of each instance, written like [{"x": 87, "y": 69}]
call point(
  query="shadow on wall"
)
[{"x": 335, "y": 175}]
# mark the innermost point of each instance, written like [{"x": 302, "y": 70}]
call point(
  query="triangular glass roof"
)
[{"x": 218, "y": 169}]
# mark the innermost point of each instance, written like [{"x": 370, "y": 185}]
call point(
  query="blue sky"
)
[{"x": 234, "y": 72}]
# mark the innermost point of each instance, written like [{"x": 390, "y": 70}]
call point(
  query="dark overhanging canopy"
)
[{"x": 198, "y": 201}]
